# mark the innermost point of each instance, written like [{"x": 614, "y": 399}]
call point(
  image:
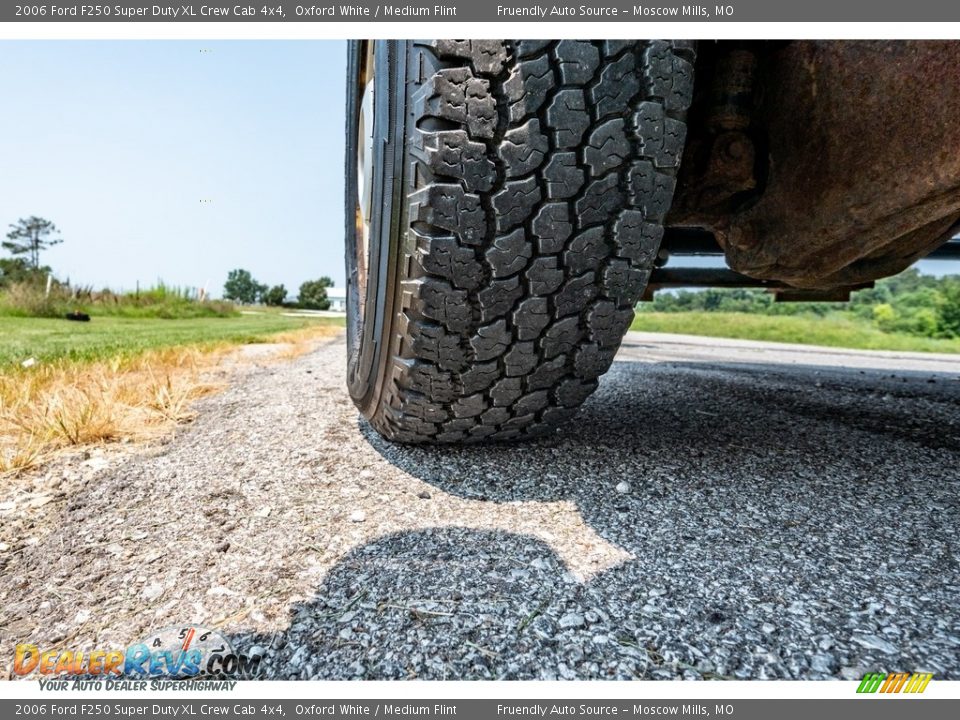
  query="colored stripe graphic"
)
[
  {"x": 894, "y": 682},
  {"x": 871, "y": 682},
  {"x": 918, "y": 682}
]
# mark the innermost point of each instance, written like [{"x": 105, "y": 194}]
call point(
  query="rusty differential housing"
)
[{"x": 824, "y": 164}]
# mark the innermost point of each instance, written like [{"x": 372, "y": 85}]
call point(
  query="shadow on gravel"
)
[
  {"x": 465, "y": 604},
  {"x": 773, "y": 528},
  {"x": 461, "y": 604}
]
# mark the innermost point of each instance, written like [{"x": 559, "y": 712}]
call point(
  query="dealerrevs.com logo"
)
[{"x": 175, "y": 653}]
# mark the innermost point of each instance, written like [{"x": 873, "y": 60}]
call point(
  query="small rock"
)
[
  {"x": 423, "y": 495},
  {"x": 358, "y": 516},
  {"x": 822, "y": 663},
  {"x": 223, "y": 547},
  {"x": 221, "y": 590},
  {"x": 767, "y": 628},
  {"x": 299, "y": 657},
  {"x": 4, "y": 547},
  {"x": 29, "y": 362},
  {"x": 572, "y": 620},
  {"x": 623, "y": 487},
  {"x": 542, "y": 627},
  {"x": 872, "y": 642}
]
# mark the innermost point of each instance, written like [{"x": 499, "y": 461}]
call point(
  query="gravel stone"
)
[
  {"x": 822, "y": 663},
  {"x": 572, "y": 620},
  {"x": 875, "y": 643},
  {"x": 543, "y": 627}
]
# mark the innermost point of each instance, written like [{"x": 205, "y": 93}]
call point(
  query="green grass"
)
[
  {"x": 30, "y": 299},
  {"x": 48, "y": 339},
  {"x": 832, "y": 330}
]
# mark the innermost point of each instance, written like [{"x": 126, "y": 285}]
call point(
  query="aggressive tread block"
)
[
  {"x": 523, "y": 149},
  {"x": 454, "y": 94}
]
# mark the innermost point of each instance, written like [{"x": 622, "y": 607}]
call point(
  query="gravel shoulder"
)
[{"x": 716, "y": 510}]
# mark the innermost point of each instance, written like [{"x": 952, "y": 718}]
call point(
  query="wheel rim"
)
[{"x": 365, "y": 171}]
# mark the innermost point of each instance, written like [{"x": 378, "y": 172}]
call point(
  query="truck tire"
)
[{"x": 504, "y": 208}]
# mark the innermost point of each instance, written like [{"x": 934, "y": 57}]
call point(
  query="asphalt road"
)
[{"x": 719, "y": 509}]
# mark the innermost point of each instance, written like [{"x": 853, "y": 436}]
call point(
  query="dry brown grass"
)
[{"x": 68, "y": 404}]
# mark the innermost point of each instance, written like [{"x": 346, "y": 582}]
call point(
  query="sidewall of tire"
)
[{"x": 370, "y": 318}]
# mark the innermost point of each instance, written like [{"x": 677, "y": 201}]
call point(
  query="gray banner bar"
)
[
  {"x": 875, "y": 708},
  {"x": 483, "y": 11}
]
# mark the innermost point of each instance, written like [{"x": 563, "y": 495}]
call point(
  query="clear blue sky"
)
[{"x": 119, "y": 142}]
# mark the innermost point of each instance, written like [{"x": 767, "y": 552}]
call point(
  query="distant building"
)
[{"x": 337, "y": 298}]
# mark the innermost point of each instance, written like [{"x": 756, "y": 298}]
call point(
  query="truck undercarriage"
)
[{"x": 816, "y": 167}]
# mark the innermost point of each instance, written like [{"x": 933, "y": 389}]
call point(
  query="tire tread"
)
[{"x": 539, "y": 176}]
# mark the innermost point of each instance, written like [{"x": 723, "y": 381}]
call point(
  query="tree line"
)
[
  {"x": 29, "y": 237},
  {"x": 910, "y": 303},
  {"x": 241, "y": 287}
]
